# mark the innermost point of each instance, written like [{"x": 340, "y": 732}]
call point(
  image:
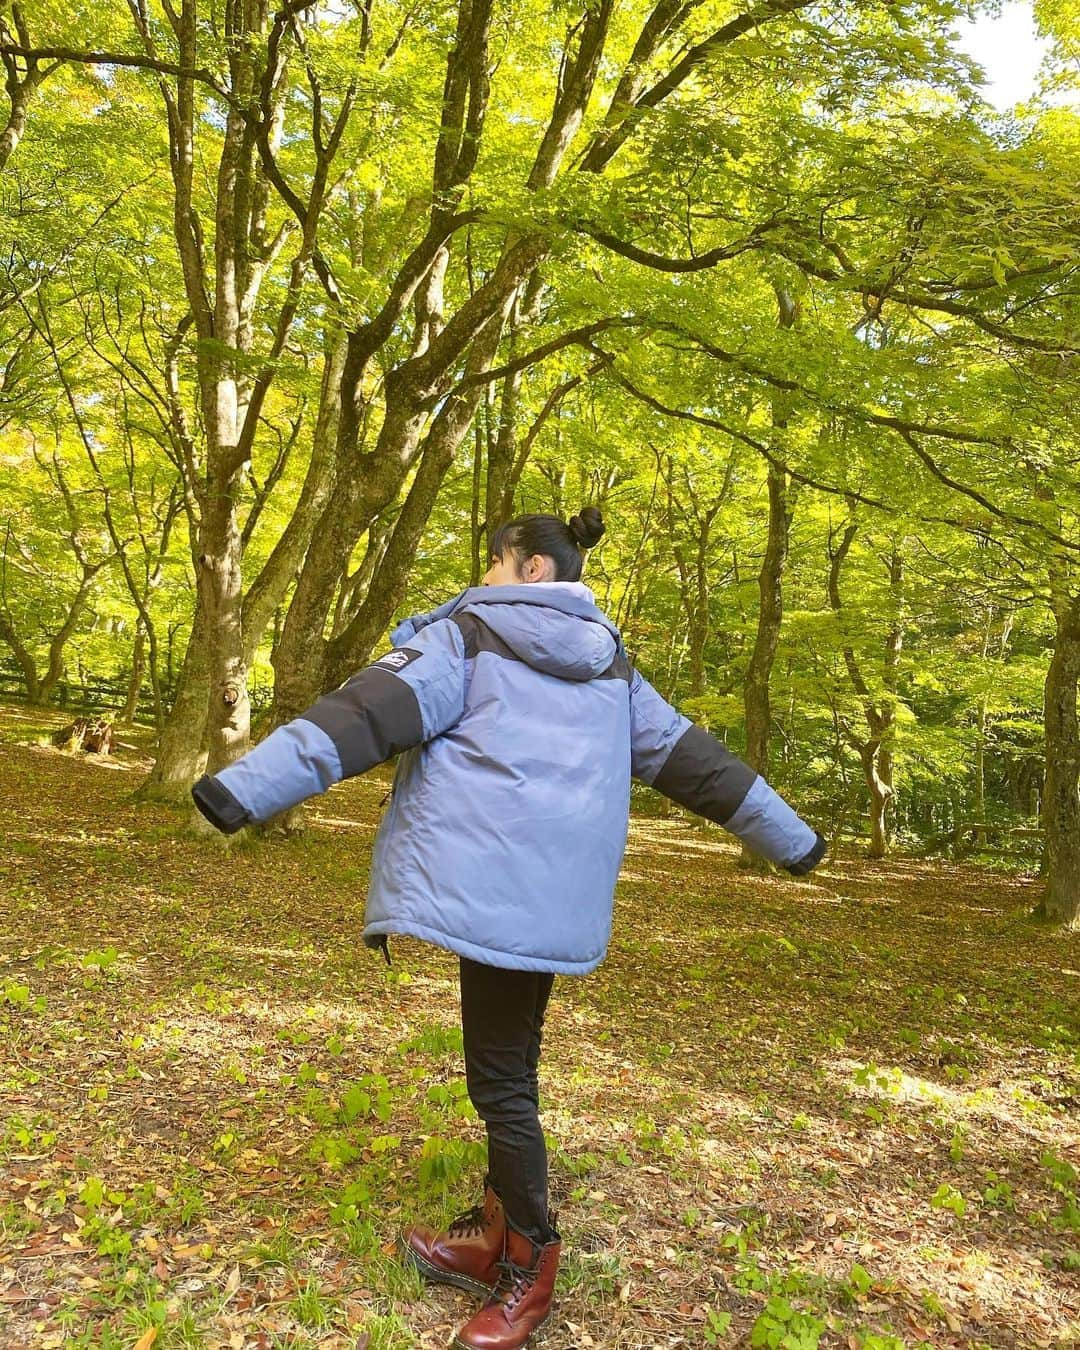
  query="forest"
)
[{"x": 298, "y": 302}]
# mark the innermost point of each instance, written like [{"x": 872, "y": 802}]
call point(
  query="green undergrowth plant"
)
[
  {"x": 799, "y": 1304},
  {"x": 313, "y": 1308},
  {"x": 444, "y": 1161},
  {"x": 1063, "y": 1181},
  {"x": 389, "y": 1332},
  {"x": 18, "y": 997},
  {"x": 594, "y": 1275}
]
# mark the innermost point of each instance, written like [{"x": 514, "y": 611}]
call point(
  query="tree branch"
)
[
  {"x": 660, "y": 263},
  {"x": 610, "y": 139},
  {"x": 576, "y": 336},
  {"x": 132, "y": 59}
]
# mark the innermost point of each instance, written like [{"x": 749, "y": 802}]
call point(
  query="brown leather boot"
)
[
  {"x": 522, "y": 1299},
  {"x": 467, "y": 1254}
]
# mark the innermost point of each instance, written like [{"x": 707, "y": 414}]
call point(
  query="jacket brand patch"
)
[{"x": 398, "y": 659}]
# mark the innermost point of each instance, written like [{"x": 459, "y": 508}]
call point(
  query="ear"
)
[{"x": 539, "y": 568}]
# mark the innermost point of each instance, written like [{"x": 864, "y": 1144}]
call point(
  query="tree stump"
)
[{"x": 92, "y": 735}]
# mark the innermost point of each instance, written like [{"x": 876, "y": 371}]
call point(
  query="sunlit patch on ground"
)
[{"x": 832, "y": 1109}]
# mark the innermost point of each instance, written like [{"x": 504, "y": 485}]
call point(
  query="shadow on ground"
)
[{"x": 838, "y": 1111}]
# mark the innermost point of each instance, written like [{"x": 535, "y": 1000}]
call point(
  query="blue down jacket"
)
[{"x": 519, "y": 723}]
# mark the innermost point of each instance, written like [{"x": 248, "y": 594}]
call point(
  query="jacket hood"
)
[{"x": 556, "y": 629}]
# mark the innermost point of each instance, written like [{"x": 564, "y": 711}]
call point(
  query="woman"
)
[{"x": 520, "y": 722}]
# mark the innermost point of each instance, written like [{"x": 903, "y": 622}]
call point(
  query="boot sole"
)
[
  {"x": 458, "y": 1344},
  {"x": 436, "y": 1275}
]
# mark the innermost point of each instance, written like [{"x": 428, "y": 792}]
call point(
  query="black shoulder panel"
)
[
  {"x": 478, "y": 637},
  {"x": 370, "y": 718},
  {"x": 704, "y": 776},
  {"x": 620, "y": 669}
]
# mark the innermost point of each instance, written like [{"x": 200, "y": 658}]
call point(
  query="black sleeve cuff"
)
[
  {"x": 219, "y": 806},
  {"x": 810, "y": 860}
]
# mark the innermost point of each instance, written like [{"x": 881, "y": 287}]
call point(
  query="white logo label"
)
[{"x": 397, "y": 660}]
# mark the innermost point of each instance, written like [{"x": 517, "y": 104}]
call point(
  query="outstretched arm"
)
[
  {"x": 691, "y": 767},
  {"x": 405, "y": 697}
]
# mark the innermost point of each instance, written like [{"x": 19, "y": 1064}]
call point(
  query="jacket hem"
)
[{"x": 484, "y": 955}]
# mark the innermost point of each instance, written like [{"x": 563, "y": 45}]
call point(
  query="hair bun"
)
[{"x": 588, "y": 527}]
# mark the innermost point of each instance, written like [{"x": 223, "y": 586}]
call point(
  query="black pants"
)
[{"x": 502, "y": 1017}]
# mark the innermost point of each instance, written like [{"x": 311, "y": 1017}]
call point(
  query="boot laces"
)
[
  {"x": 514, "y": 1281},
  {"x": 469, "y": 1224}
]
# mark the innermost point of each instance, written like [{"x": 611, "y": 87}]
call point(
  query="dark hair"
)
[{"x": 559, "y": 540}]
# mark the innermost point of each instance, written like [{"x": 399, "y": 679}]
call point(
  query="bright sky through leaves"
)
[{"x": 1009, "y": 49}]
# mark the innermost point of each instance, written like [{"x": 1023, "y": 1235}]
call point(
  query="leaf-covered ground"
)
[{"x": 840, "y": 1111}]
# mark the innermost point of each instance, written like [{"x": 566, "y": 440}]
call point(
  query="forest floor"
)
[{"x": 841, "y": 1110}]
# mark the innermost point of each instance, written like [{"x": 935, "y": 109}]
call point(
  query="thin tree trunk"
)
[
  {"x": 51, "y": 678},
  {"x": 477, "y": 526},
  {"x": 980, "y": 740},
  {"x": 756, "y": 701},
  {"x": 756, "y": 705},
  {"x": 875, "y": 751},
  {"x": 894, "y": 643},
  {"x": 131, "y": 703},
  {"x": 155, "y": 686}
]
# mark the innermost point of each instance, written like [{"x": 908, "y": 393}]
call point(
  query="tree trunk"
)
[
  {"x": 21, "y": 88},
  {"x": 181, "y": 757},
  {"x": 365, "y": 485},
  {"x": 881, "y": 796},
  {"x": 223, "y": 274},
  {"x": 876, "y": 751},
  {"x": 131, "y": 703},
  {"x": 1061, "y": 795},
  {"x": 368, "y": 482},
  {"x": 698, "y": 629},
  {"x": 980, "y": 767},
  {"x": 757, "y": 710},
  {"x": 60, "y": 639},
  {"x": 894, "y": 643},
  {"x": 23, "y": 657},
  {"x": 228, "y": 710},
  {"x": 756, "y": 705},
  {"x": 266, "y": 592},
  {"x": 352, "y": 648},
  {"x": 770, "y": 615},
  {"x": 477, "y": 526}
]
